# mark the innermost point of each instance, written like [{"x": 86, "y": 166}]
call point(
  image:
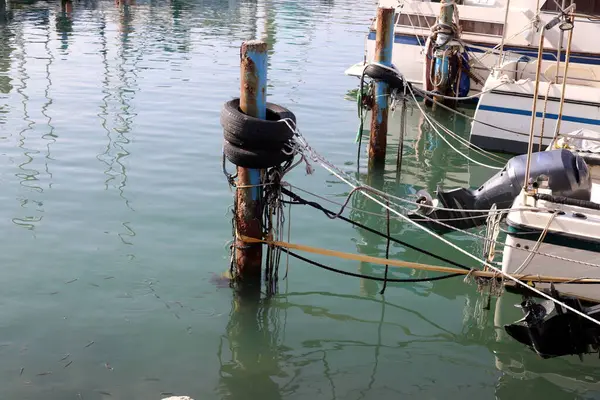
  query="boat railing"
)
[
  {"x": 566, "y": 22},
  {"x": 518, "y": 74}
]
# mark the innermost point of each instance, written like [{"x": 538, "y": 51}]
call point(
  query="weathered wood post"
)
[
  {"x": 383, "y": 54},
  {"x": 253, "y": 102},
  {"x": 442, "y": 60}
]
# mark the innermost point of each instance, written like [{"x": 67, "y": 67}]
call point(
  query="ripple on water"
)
[{"x": 117, "y": 221}]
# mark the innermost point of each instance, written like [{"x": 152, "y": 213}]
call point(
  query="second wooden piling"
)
[{"x": 383, "y": 54}]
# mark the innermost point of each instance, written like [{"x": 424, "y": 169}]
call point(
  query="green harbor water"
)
[{"x": 116, "y": 220}]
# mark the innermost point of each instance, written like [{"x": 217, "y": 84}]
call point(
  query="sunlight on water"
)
[{"x": 116, "y": 219}]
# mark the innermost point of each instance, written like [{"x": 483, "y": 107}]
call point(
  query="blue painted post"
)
[
  {"x": 384, "y": 43},
  {"x": 253, "y": 102}
]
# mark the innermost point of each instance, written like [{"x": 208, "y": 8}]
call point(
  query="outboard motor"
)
[
  {"x": 552, "y": 331},
  {"x": 566, "y": 172}
]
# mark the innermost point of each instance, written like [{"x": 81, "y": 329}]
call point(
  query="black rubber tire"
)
[
  {"x": 256, "y": 158},
  {"x": 256, "y": 132},
  {"x": 379, "y": 73},
  {"x": 234, "y": 140}
]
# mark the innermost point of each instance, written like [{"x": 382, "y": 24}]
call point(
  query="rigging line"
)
[
  {"x": 468, "y": 144},
  {"x": 374, "y": 231},
  {"x": 462, "y": 98},
  {"x": 445, "y": 140},
  {"x": 444, "y": 240},
  {"x": 476, "y": 236},
  {"x": 523, "y": 278},
  {"x": 387, "y": 251},
  {"x": 381, "y": 215},
  {"x": 495, "y": 49},
  {"x": 473, "y": 119},
  {"x": 373, "y": 278},
  {"x": 384, "y": 194},
  {"x": 438, "y": 221},
  {"x": 529, "y": 258}
]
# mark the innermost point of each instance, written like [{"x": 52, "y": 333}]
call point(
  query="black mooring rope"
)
[
  {"x": 318, "y": 206},
  {"x": 387, "y": 247},
  {"x": 373, "y": 278}
]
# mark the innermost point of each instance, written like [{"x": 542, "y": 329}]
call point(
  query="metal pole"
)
[
  {"x": 253, "y": 102},
  {"x": 564, "y": 83},
  {"x": 383, "y": 54},
  {"x": 561, "y": 35},
  {"x": 534, "y": 107},
  {"x": 503, "y": 33}
]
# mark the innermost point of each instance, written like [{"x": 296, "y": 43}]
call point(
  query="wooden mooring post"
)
[
  {"x": 442, "y": 83},
  {"x": 383, "y": 54},
  {"x": 253, "y": 102}
]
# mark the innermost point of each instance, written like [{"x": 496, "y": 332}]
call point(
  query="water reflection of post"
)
[
  {"x": 123, "y": 93},
  {"x": 375, "y": 178},
  {"x": 431, "y": 152},
  {"x": 6, "y": 33},
  {"x": 64, "y": 22},
  {"x": 125, "y": 2},
  {"x": 50, "y": 137},
  {"x": 252, "y": 339}
]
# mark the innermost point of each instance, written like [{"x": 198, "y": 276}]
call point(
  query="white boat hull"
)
[
  {"x": 513, "y": 258},
  {"x": 569, "y": 248},
  {"x": 509, "y": 108}
]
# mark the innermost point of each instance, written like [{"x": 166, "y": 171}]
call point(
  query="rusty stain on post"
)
[
  {"x": 248, "y": 216},
  {"x": 383, "y": 54},
  {"x": 442, "y": 63}
]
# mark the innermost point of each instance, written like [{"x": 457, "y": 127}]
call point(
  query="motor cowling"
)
[{"x": 565, "y": 172}]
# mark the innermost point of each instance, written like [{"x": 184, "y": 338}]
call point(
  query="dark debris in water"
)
[{"x": 221, "y": 281}]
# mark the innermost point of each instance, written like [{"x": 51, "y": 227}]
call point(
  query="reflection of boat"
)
[
  {"x": 488, "y": 29},
  {"x": 521, "y": 368}
]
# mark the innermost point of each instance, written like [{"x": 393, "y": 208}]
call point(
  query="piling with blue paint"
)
[
  {"x": 384, "y": 43},
  {"x": 443, "y": 52},
  {"x": 253, "y": 102}
]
